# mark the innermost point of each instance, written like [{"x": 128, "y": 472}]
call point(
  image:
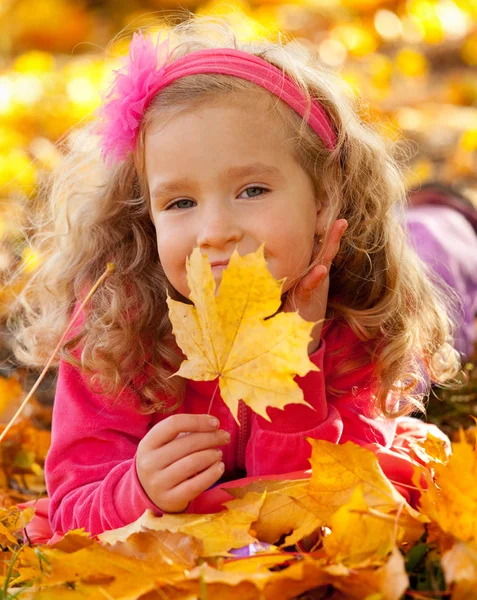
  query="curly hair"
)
[{"x": 92, "y": 215}]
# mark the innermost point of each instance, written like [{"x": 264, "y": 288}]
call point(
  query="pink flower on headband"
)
[{"x": 132, "y": 90}]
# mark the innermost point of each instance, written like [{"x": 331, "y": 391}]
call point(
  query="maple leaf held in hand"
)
[{"x": 233, "y": 335}]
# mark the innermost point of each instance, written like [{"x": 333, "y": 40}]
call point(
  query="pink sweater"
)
[{"x": 90, "y": 469}]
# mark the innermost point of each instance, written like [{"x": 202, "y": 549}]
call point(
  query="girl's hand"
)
[
  {"x": 310, "y": 296},
  {"x": 178, "y": 459}
]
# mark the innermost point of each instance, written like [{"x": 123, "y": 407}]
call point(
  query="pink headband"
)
[{"x": 147, "y": 72}]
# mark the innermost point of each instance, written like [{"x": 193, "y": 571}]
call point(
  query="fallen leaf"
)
[
  {"x": 123, "y": 577},
  {"x": 450, "y": 498},
  {"x": 233, "y": 335},
  {"x": 460, "y": 570},
  {"x": 336, "y": 471},
  {"x": 10, "y": 395},
  {"x": 173, "y": 547},
  {"x": 388, "y": 582},
  {"x": 74, "y": 540},
  {"x": 255, "y": 582},
  {"x": 281, "y": 513},
  {"x": 431, "y": 450},
  {"x": 361, "y": 536},
  {"x": 219, "y": 532},
  {"x": 12, "y": 522}
]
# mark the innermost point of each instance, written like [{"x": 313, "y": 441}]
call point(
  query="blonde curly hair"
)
[{"x": 92, "y": 215}]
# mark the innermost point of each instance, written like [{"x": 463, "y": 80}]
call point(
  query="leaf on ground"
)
[
  {"x": 432, "y": 450},
  {"x": 281, "y": 513},
  {"x": 388, "y": 582},
  {"x": 11, "y": 392},
  {"x": 174, "y": 547},
  {"x": 74, "y": 540},
  {"x": 219, "y": 532},
  {"x": 233, "y": 335},
  {"x": 12, "y": 522},
  {"x": 460, "y": 570},
  {"x": 94, "y": 565},
  {"x": 361, "y": 536},
  {"x": 450, "y": 498},
  {"x": 256, "y": 582},
  {"x": 336, "y": 471}
]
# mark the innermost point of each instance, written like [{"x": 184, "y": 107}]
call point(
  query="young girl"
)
[{"x": 206, "y": 142}]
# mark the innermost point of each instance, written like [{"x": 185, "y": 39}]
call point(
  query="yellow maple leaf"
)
[
  {"x": 281, "y": 513},
  {"x": 388, "y": 582},
  {"x": 336, "y": 471},
  {"x": 12, "y": 522},
  {"x": 90, "y": 568},
  {"x": 233, "y": 336},
  {"x": 219, "y": 532},
  {"x": 253, "y": 579},
  {"x": 450, "y": 499},
  {"x": 431, "y": 450},
  {"x": 361, "y": 536}
]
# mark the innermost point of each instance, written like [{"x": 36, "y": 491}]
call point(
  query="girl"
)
[{"x": 206, "y": 142}]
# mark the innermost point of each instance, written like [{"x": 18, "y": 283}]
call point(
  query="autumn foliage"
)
[{"x": 342, "y": 532}]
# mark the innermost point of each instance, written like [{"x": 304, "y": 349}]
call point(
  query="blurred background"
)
[{"x": 413, "y": 61}]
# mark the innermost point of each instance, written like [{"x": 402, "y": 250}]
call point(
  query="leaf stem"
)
[
  {"x": 108, "y": 271},
  {"x": 212, "y": 399}
]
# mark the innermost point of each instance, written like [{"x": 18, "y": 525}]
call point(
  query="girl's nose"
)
[{"x": 218, "y": 228}]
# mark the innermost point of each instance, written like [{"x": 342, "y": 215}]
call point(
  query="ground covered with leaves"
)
[{"x": 344, "y": 533}]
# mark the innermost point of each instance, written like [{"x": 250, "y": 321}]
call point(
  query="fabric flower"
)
[{"x": 131, "y": 92}]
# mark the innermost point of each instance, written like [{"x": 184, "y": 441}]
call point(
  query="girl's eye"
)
[
  {"x": 254, "y": 190},
  {"x": 181, "y": 204}
]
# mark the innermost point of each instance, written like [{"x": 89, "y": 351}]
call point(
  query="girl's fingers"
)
[
  {"x": 304, "y": 291},
  {"x": 167, "y": 430},
  {"x": 320, "y": 272},
  {"x": 313, "y": 279},
  {"x": 191, "y": 488},
  {"x": 334, "y": 240},
  {"x": 187, "y": 445},
  {"x": 187, "y": 467}
]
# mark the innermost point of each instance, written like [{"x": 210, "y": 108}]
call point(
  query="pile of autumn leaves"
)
[
  {"x": 343, "y": 533},
  {"x": 364, "y": 536}
]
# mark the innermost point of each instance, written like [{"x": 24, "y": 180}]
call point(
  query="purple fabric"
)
[{"x": 447, "y": 243}]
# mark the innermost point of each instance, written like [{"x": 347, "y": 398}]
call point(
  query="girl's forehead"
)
[
  {"x": 258, "y": 109},
  {"x": 219, "y": 130}
]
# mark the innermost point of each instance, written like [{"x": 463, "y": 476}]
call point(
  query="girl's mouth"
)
[{"x": 219, "y": 263}]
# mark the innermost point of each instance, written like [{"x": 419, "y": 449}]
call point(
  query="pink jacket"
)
[{"x": 90, "y": 469}]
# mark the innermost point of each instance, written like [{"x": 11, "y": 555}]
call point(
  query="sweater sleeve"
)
[{"x": 90, "y": 468}]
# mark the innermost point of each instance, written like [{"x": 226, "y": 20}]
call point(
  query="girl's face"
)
[{"x": 224, "y": 177}]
